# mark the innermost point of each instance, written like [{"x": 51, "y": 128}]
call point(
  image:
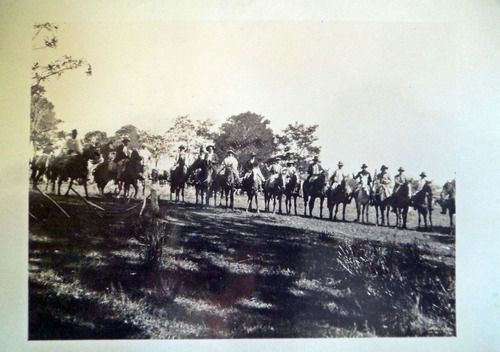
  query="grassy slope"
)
[{"x": 232, "y": 274}]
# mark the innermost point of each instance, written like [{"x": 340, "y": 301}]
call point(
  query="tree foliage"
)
[
  {"x": 296, "y": 143},
  {"x": 132, "y": 132},
  {"x": 246, "y": 133},
  {"x": 42, "y": 120},
  {"x": 96, "y": 137},
  {"x": 192, "y": 134}
]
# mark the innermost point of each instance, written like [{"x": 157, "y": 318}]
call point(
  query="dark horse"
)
[
  {"x": 400, "y": 201},
  {"x": 201, "y": 173},
  {"x": 273, "y": 188},
  {"x": 103, "y": 173},
  {"x": 381, "y": 201},
  {"x": 178, "y": 180},
  {"x": 250, "y": 185},
  {"x": 341, "y": 194},
  {"x": 132, "y": 172},
  {"x": 73, "y": 167},
  {"x": 39, "y": 167},
  {"x": 313, "y": 188},
  {"x": 292, "y": 190},
  {"x": 447, "y": 200},
  {"x": 422, "y": 202},
  {"x": 225, "y": 183}
]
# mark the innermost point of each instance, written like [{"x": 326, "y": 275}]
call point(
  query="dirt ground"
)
[{"x": 232, "y": 274}]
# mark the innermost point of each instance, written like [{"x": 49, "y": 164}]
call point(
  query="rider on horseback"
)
[
  {"x": 122, "y": 154},
  {"x": 231, "y": 163},
  {"x": 290, "y": 169},
  {"x": 252, "y": 166},
  {"x": 337, "y": 177},
  {"x": 420, "y": 183},
  {"x": 384, "y": 180},
  {"x": 314, "y": 169},
  {"x": 73, "y": 146},
  {"x": 399, "y": 180},
  {"x": 146, "y": 160},
  {"x": 363, "y": 174}
]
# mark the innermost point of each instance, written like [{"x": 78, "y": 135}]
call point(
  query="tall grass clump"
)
[
  {"x": 398, "y": 292},
  {"x": 151, "y": 233}
]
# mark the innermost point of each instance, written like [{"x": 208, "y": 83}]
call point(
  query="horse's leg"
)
[
  {"x": 343, "y": 211},
  {"x": 232, "y": 198},
  {"x": 305, "y": 204},
  {"x": 311, "y": 206},
  {"x": 321, "y": 201},
  {"x": 280, "y": 198},
  {"x": 69, "y": 187},
  {"x": 430, "y": 218},
  {"x": 376, "y": 212},
  {"x": 257, "y": 201},
  {"x": 358, "y": 206},
  {"x": 85, "y": 187},
  {"x": 405, "y": 215}
]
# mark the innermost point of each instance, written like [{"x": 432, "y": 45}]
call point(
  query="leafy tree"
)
[
  {"x": 191, "y": 134},
  {"x": 96, "y": 137},
  {"x": 297, "y": 144},
  {"x": 156, "y": 144},
  {"x": 132, "y": 132},
  {"x": 246, "y": 133},
  {"x": 41, "y": 74}
]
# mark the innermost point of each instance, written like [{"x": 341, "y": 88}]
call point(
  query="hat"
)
[
  {"x": 181, "y": 147},
  {"x": 253, "y": 154},
  {"x": 125, "y": 139},
  {"x": 202, "y": 149},
  {"x": 364, "y": 166},
  {"x": 340, "y": 163},
  {"x": 290, "y": 162},
  {"x": 210, "y": 146},
  {"x": 401, "y": 169},
  {"x": 74, "y": 131},
  {"x": 277, "y": 157},
  {"x": 423, "y": 174},
  {"x": 383, "y": 167},
  {"x": 316, "y": 158},
  {"x": 230, "y": 150},
  {"x": 143, "y": 145}
]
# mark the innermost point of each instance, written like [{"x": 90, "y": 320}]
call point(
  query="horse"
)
[
  {"x": 73, "y": 167},
  {"x": 313, "y": 188},
  {"x": 292, "y": 190},
  {"x": 273, "y": 188},
  {"x": 400, "y": 201},
  {"x": 250, "y": 185},
  {"x": 39, "y": 168},
  {"x": 362, "y": 196},
  {"x": 226, "y": 184},
  {"x": 381, "y": 201},
  {"x": 201, "y": 173},
  {"x": 178, "y": 180},
  {"x": 104, "y": 173},
  {"x": 447, "y": 200},
  {"x": 422, "y": 202},
  {"x": 341, "y": 194},
  {"x": 132, "y": 172}
]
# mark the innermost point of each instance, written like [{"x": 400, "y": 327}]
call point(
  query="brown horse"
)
[
  {"x": 132, "y": 172},
  {"x": 273, "y": 188},
  {"x": 313, "y": 188},
  {"x": 250, "y": 185},
  {"x": 422, "y": 202},
  {"x": 341, "y": 194},
  {"x": 178, "y": 180},
  {"x": 381, "y": 201},
  {"x": 40, "y": 167},
  {"x": 226, "y": 184},
  {"x": 292, "y": 191},
  {"x": 73, "y": 167},
  {"x": 201, "y": 175},
  {"x": 400, "y": 201},
  {"x": 447, "y": 200}
]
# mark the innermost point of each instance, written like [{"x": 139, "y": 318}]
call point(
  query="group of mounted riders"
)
[{"x": 210, "y": 175}]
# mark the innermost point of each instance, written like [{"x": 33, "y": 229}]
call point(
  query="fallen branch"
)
[
  {"x": 144, "y": 205},
  {"x": 33, "y": 216},
  {"x": 53, "y": 201},
  {"x": 86, "y": 201},
  {"x": 131, "y": 208}
]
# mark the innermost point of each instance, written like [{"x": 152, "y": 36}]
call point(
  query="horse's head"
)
[{"x": 91, "y": 153}]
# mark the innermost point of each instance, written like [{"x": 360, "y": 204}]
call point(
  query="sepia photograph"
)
[{"x": 216, "y": 177}]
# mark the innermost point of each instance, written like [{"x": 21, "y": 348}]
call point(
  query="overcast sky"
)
[{"x": 381, "y": 93}]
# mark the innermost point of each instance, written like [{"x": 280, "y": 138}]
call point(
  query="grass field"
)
[{"x": 232, "y": 274}]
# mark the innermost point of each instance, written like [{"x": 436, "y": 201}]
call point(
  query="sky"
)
[{"x": 381, "y": 93}]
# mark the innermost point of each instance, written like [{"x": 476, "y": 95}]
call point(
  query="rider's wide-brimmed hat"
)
[
  {"x": 316, "y": 158},
  {"x": 401, "y": 169},
  {"x": 340, "y": 163},
  {"x": 210, "y": 146},
  {"x": 74, "y": 131},
  {"x": 277, "y": 158},
  {"x": 290, "y": 162},
  {"x": 423, "y": 174},
  {"x": 125, "y": 139},
  {"x": 253, "y": 154},
  {"x": 230, "y": 151},
  {"x": 383, "y": 167},
  {"x": 182, "y": 147},
  {"x": 364, "y": 166}
]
